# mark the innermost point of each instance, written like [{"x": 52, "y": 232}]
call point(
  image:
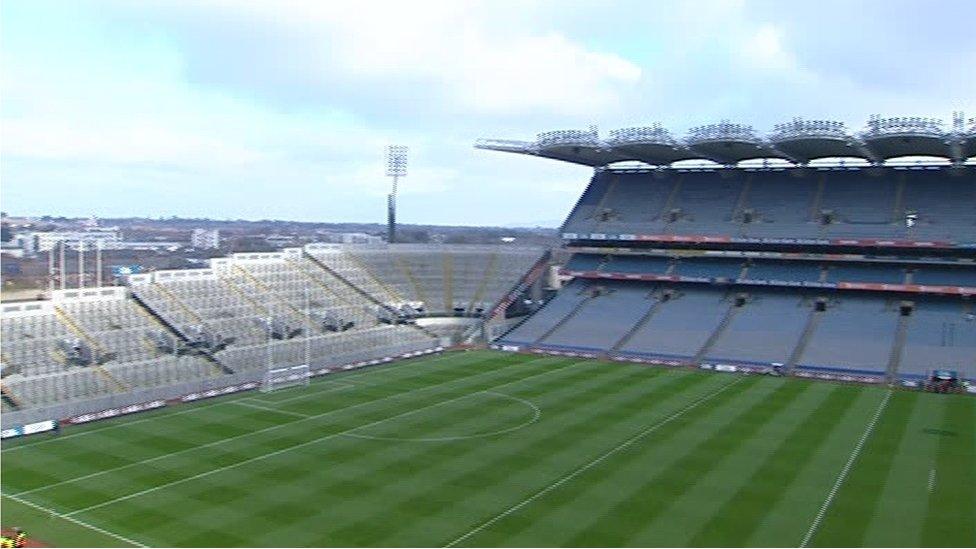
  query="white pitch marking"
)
[
  {"x": 273, "y": 427},
  {"x": 845, "y": 470},
  {"x": 341, "y": 386},
  {"x": 249, "y": 404},
  {"x": 600, "y": 459},
  {"x": 302, "y": 445},
  {"x": 92, "y": 527},
  {"x": 536, "y": 414}
]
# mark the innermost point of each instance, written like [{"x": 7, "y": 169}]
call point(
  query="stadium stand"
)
[
  {"x": 324, "y": 305},
  {"x": 812, "y": 269}
]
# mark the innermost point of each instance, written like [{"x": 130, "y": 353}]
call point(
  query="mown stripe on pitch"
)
[
  {"x": 360, "y": 470},
  {"x": 122, "y": 480},
  {"x": 280, "y": 484},
  {"x": 82, "y": 431},
  {"x": 741, "y": 515},
  {"x": 95, "y": 455},
  {"x": 951, "y": 516},
  {"x": 229, "y": 469},
  {"x": 480, "y": 469},
  {"x": 625, "y": 520},
  {"x": 513, "y": 528},
  {"x": 853, "y": 508}
]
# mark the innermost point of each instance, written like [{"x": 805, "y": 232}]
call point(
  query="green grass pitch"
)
[{"x": 481, "y": 448}]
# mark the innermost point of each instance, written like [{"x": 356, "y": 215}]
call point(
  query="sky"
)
[{"x": 234, "y": 109}]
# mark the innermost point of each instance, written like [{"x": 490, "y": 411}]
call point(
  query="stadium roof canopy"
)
[{"x": 798, "y": 141}]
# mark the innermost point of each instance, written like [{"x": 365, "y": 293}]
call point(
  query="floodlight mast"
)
[{"x": 396, "y": 167}]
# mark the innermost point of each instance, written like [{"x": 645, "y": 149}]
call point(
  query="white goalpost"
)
[
  {"x": 289, "y": 376},
  {"x": 281, "y": 378}
]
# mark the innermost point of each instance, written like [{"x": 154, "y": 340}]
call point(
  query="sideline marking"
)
[
  {"x": 341, "y": 386},
  {"x": 845, "y": 470},
  {"x": 92, "y": 527},
  {"x": 250, "y": 404},
  {"x": 593, "y": 463}
]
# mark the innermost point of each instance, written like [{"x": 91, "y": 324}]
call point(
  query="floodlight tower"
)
[{"x": 396, "y": 167}]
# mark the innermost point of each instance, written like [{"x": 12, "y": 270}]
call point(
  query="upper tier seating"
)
[{"x": 782, "y": 204}]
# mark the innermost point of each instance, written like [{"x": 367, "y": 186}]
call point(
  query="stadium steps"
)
[
  {"x": 672, "y": 197},
  {"x": 405, "y": 269},
  {"x": 9, "y": 399},
  {"x": 897, "y": 347},
  {"x": 8, "y": 366},
  {"x": 898, "y": 211},
  {"x": 483, "y": 285},
  {"x": 591, "y": 189},
  {"x": 718, "y": 331},
  {"x": 260, "y": 308},
  {"x": 655, "y": 305},
  {"x": 448, "y": 265},
  {"x": 363, "y": 293},
  {"x": 742, "y": 202},
  {"x": 269, "y": 291},
  {"x": 80, "y": 333},
  {"x": 499, "y": 307},
  {"x": 187, "y": 310},
  {"x": 816, "y": 317},
  {"x": 167, "y": 327},
  {"x": 300, "y": 267},
  {"x": 818, "y": 199},
  {"x": 160, "y": 320},
  {"x": 569, "y": 316},
  {"x": 601, "y": 205},
  {"x": 362, "y": 266}
]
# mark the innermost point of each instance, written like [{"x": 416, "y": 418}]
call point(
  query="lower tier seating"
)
[{"x": 793, "y": 328}]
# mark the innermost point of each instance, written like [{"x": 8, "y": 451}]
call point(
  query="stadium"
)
[{"x": 742, "y": 340}]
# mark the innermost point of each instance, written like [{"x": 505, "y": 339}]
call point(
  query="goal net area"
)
[{"x": 281, "y": 378}]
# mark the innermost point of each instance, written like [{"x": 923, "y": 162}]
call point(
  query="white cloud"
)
[
  {"x": 764, "y": 50},
  {"x": 473, "y": 54}
]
